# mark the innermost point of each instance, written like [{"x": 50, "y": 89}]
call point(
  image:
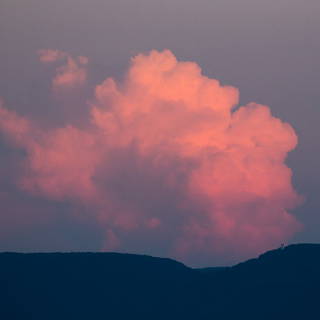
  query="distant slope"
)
[
  {"x": 88, "y": 285},
  {"x": 280, "y": 284}
]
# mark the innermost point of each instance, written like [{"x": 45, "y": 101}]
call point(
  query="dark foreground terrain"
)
[{"x": 280, "y": 284}]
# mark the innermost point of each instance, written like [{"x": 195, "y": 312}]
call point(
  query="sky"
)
[{"x": 185, "y": 129}]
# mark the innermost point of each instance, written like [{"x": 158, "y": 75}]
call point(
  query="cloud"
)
[
  {"x": 49, "y": 56},
  {"x": 71, "y": 74},
  {"x": 165, "y": 160}
]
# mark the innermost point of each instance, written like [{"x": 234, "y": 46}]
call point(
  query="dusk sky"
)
[{"x": 183, "y": 129}]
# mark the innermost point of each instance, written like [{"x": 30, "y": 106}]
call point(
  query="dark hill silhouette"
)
[{"x": 280, "y": 284}]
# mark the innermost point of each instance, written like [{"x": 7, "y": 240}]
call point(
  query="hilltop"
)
[{"x": 279, "y": 284}]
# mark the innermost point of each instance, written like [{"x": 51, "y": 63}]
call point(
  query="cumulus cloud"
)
[{"x": 165, "y": 158}]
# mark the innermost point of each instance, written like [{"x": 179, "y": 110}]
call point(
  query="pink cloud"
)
[
  {"x": 49, "y": 56},
  {"x": 71, "y": 74},
  {"x": 166, "y": 151}
]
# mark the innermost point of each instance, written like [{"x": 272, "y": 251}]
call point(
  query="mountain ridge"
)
[{"x": 282, "y": 282}]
